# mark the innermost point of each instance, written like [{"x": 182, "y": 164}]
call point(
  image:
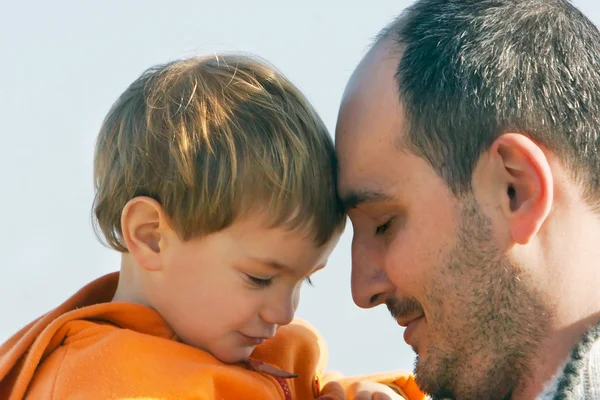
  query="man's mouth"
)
[
  {"x": 405, "y": 321},
  {"x": 410, "y": 323}
]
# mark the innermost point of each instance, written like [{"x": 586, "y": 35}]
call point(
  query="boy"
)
[{"x": 214, "y": 179}]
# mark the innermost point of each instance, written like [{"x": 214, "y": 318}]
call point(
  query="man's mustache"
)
[{"x": 404, "y": 308}]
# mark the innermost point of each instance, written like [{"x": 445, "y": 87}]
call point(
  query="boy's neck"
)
[{"x": 128, "y": 288}]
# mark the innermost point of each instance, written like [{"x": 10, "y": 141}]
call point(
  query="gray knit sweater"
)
[{"x": 580, "y": 378}]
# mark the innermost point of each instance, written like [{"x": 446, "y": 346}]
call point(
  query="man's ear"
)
[
  {"x": 144, "y": 226},
  {"x": 524, "y": 182}
]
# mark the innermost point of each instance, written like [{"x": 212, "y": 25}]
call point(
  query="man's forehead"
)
[
  {"x": 375, "y": 73},
  {"x": 370, "y": 122},
  {"x": 370, "y": 108},
  {"x": 368, "y": 171}
]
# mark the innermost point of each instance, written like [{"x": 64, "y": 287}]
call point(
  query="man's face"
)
[{"x": 473, "y": 316}]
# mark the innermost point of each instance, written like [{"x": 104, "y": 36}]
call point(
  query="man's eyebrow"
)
[{"x": 357, "y": 197}]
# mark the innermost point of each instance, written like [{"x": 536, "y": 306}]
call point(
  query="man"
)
[{"x": 469, "y": 154}]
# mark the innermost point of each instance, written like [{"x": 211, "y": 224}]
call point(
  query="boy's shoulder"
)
[
  {"x": 124, "y": 350},
  {"x": 300, "y": 348},
  {"x": 99, "y": 356},
  {"x": 298, "y": 337}
]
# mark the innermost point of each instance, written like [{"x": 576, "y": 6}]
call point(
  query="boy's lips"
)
[{"x": 254, "y": 340}]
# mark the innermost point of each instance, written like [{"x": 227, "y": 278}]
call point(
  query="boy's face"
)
[{"x": 228, "y": 291}]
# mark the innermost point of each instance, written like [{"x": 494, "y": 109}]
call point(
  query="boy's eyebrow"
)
[{"x": 272, "y": 263}]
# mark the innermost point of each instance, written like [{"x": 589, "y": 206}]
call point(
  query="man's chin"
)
[
  {"x": 427, "y": 380},
  {"x": 415, "y": 349}
]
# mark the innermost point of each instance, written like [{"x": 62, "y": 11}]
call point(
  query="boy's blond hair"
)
[{"x": 212, "y": 139}]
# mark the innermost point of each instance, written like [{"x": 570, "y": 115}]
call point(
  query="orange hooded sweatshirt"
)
[{"x": 91, "y": 348}]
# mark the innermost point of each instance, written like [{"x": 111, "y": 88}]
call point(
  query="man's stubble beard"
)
[{"x": 488, "y": 320}]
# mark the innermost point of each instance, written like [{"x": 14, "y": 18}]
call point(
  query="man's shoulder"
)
[
  {"x": 580, "y": 377},
  {"x": 591, "y": 381}
]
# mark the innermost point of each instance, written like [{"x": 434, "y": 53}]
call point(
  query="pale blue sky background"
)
[{"x": 65, "y": 62}]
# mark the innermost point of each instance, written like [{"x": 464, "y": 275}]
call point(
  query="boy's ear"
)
[
  {"x": 519, "y": 174},
  {"x": 144, "y": 225}
]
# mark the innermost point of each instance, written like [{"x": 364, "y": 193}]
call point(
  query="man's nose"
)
[{"x": 370, "y": 283}]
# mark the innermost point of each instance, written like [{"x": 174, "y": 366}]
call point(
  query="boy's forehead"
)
[{"x": 290, "y": 251}]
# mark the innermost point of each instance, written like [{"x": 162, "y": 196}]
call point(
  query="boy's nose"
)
[{"x": 280, "y": 312}]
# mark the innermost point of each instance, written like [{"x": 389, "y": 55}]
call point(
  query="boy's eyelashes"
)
[{"x": 261, "y": 282}]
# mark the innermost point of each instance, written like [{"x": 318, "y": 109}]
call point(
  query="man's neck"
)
[
  {"x": 569, "y": 276},
  {"x": 553, "y": 355}
]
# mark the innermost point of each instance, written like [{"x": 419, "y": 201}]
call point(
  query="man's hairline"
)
[{"x": 400, "y": 142}]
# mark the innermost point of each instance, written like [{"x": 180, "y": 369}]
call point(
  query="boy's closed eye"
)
[{"x": 262, "y": 282}]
